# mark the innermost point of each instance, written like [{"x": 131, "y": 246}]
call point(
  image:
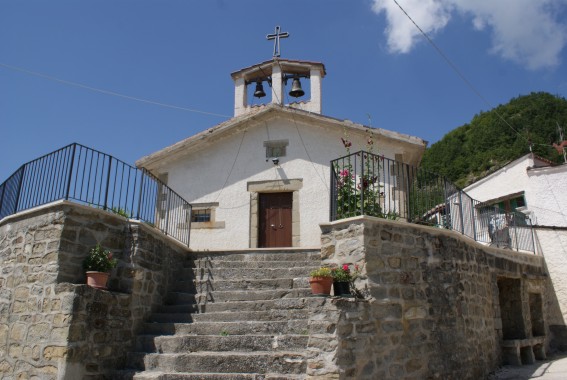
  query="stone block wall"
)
[
  {"x": 44, "y": 330},
  {"x": 433, "y": 310}
]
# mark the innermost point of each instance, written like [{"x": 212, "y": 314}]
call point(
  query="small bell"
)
[
  {"x": 296, "y": 90},
  {"x": 259, "y": 93}
]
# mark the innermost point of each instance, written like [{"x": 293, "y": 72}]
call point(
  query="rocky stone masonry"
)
[
  {"x": 433, "y": 311},
  {"x": 44, "y": 327}
]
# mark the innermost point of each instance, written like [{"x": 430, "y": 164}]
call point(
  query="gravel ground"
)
[{"x": 555, "y": 368}]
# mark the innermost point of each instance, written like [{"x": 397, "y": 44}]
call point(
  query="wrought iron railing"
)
[
  {"x": 364, "y": 183},
  {"x": 96, "y": 179}
]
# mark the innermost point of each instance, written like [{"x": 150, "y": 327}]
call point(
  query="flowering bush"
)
[
  {"x": 357, "y": 191},
  {"x": 344, "y": 274},
  {"x": 99, "y": 260}
]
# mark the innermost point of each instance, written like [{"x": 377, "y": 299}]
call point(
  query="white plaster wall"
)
[
  {"x": 547, "y": 193},
  {"x": 553, "y": 245},
  {"x": 200, "y": 176}
]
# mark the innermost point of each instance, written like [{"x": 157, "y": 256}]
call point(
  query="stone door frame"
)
[{"x": 278, "y": 186}]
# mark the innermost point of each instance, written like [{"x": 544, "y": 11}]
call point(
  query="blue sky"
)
[{"x": 181, "y": 53}]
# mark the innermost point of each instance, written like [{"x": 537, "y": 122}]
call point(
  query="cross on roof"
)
[{"x": 276, "y": 37}]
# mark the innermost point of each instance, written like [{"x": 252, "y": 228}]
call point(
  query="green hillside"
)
[{"x": 486, "y": 143}]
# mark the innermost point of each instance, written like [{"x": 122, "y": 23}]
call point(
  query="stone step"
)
[
  {"x": 262, "y": 305},
  {"x": 280, "y": 255},
  {"x": 251, "y": 295},
  {"x": 189, "y": 308},
  {"x": 291, "y": 327},
  {"x": 194, "y": 343},
  {"x": 284, "y": 362},
  {"x": 239, "y": 316},
  {"x": 158, "y": 375},
  {"x": 243, "y": 273},
  {"x": 273, "y": 283},
  {"x": 253, "y": 265},
  {"x": 171, "y": 318}
]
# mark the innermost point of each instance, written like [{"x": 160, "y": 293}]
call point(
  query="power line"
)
[
  {"x": 460, "y": 74},
  {"x": 107, "y": 92}
]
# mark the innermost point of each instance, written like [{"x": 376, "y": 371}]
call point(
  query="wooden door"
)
[{"x": 275, "y": 220}]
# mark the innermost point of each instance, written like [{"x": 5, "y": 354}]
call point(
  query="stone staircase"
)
[{"x": 231, "y": 315}]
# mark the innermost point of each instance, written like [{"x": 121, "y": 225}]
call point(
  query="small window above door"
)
[{"x": 276, "y": 148}]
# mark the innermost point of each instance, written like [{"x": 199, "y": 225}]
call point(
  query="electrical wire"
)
[
  {"x": 108, "y": 92},
  {"x": 462, "y": 76}
]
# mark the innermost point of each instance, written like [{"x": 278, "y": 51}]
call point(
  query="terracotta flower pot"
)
[
  {"x": 341, "y": 289},
  {"x": 97, "y": 279},
  {"x": 321, "y": 286}
]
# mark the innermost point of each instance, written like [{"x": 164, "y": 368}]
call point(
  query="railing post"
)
[
  {"x": 70, "y": 172},
  {"x": 473, "y": 220},
  {"x": 2, "y": 197},
  {"x": 461, "y": 212},
  {"x": 167, "y": 213},
  {"x": 141, "y": 191},
  {"x": 361, "y": 182},
  {"x": 515, "y": 231},
  {"x": 332, "y": 195},
  {"x": 108, "y": 183},
  {"x": 19, "y": 189}
]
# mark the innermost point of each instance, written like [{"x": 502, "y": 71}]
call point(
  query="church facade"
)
[{"x": 261, "y": 179}]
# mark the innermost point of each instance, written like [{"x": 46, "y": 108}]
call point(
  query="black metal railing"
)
[
  {"x": 364, "y": 183},
  {"x": 96, "y": 179}
]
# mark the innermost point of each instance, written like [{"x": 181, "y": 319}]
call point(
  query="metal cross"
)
[{"x": 276, "y": 37}]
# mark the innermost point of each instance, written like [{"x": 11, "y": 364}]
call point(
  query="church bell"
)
[
  {"x": 296, "y": 90},
  {"x": 259, "y": 92}
]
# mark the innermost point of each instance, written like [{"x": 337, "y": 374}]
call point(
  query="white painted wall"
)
[
  {"x": 553, "y": 245},
  {"x": 199, "y": 177},
  {"x": 547, "y": 192}
]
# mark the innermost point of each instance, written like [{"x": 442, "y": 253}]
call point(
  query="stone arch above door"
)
[{"x": 277, "y": 186}]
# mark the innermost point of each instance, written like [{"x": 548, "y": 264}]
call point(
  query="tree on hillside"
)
[{"x": 487, "y": 142}]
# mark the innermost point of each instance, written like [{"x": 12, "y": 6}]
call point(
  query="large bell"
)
[
  {"x": 296, "y": 90},
  {"x": 259, "y": 93}
]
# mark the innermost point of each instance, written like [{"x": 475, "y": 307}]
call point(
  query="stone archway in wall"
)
[{"x": 255, "y": 188}]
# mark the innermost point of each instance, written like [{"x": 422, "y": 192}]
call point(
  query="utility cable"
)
[
  {"x": 461, "y": 75},
  {"x": 108, "y": 92}
]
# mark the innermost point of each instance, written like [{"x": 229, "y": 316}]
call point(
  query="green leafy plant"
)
[
  {"x": 121, "y": 212},
  {"x": 321, "y": 272},
  {"x": 224, "y": 333},
  {"x": 99, "y": 260}
]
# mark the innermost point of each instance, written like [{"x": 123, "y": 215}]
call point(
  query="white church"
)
[{"x": 261, "y": 179}]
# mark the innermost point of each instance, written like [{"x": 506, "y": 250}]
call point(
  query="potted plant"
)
[
  {"x": 343, "y": 280},
  {"x": 321, "y": 281},
  {"x": 97, "y": 265}
]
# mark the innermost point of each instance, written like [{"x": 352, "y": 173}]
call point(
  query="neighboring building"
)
[
  {"x": 530, "y": 184},
  {"x": 261, "y": 179},
  {"x": 537, "y": 188}
]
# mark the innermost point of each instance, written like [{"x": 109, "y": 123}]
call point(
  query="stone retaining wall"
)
[
  {"x": 434, "y": 310},
  {"x": 45, "y": 328}
]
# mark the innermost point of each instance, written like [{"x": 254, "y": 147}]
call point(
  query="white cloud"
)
[{"x": 523, "y": 31}]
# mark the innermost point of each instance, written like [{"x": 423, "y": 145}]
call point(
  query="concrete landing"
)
[{"x": 555, "y": 368}]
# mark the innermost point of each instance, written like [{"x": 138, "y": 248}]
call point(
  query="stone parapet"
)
[
  {"x": 433, "y": 307},
  {"x": 51, "y": 326}
]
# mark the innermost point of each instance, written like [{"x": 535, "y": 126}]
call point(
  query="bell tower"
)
[{"x": 275, "y": 74}]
